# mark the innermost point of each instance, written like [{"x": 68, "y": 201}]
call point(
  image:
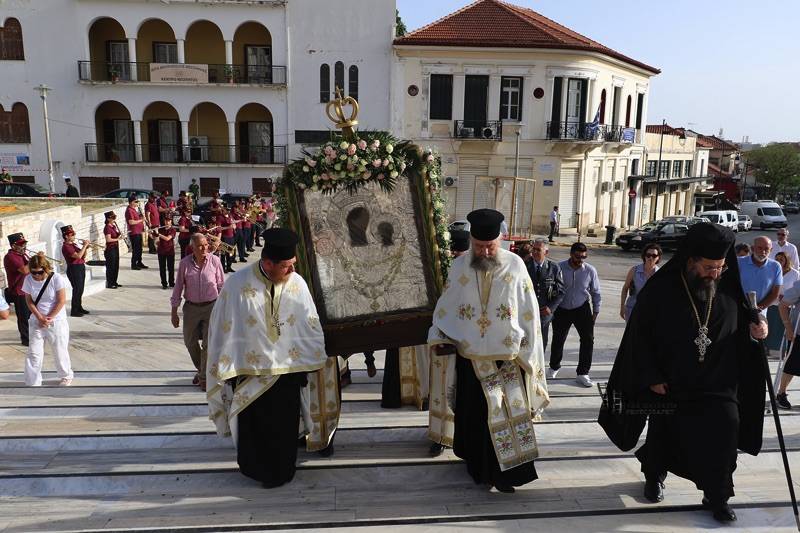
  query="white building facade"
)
[{"x": 152, "y": 95}]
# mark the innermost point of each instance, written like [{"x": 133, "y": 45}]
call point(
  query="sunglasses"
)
[
  {"x": 576, "y": 256},
  {"x": 37, "y": 272},
  {"x": 781, "y": 235},
  {"x": 650, "y": 255}
]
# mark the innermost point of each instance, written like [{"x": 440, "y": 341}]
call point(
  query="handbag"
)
[{"x": 9, "y": 294}]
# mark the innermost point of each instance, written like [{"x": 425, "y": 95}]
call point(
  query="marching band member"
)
[
  {"x": 166, "y": 253},
  {"x": 238, "y": 215},
  {"x": 45, "y": 296},
  {"x": 111, "y": 253},
  {"x": 227, "y": 227},
  {"x": 135, "y": 221},
  {"x": 164, "y": 208},
  {"x": 75, "y": 257},
  {"x": 247, "y": 229},
  {"x": 184, "y": 234},
  {"x": 16, "y": 264},
  {"x": 152, "y": 219}
]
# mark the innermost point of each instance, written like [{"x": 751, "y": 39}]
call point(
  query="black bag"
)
[{"x": 41, "y": 291}]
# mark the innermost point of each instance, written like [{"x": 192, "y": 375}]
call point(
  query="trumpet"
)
[
  {"x": 94, "y": 244},
  {"x": 226, "y": 248},
  {"x": 30, "y": 253}
]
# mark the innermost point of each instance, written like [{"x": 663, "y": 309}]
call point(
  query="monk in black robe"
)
[{"x": 703, "y": 390}]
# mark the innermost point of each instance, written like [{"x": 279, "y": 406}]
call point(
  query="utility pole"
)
[
  {"x": 658, "y": 174},
  {"x": 43, "y": 94}
]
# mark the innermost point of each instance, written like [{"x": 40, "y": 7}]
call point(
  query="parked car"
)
[
  {"x": 684, "y": 219},
  {"x": 764, "y": 213},
  {"x": 204, "y": 209},
  {"x": 21, "y": 190},
  {"x": 791, "y": 207},
  {"x": 745, "y": 223},
  {"x": 141, "y": 194},
  {"x": 728, "y": 218},
  {"x": 668, "y": 235}
]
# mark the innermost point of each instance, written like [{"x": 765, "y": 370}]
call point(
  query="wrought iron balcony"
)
[
  {"x": 176, "y": 153},
  {"x": 179, "y": 74},
  {"x": 582, "y": 131},
  {"x": 490, "y": 130}
]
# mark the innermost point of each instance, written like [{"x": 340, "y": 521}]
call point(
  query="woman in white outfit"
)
[{"x": 46, "y": 293}]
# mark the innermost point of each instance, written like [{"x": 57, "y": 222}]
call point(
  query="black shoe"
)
[
  {"x": 258, "y": 244},
  {"x": 251, "y": 250},
  {"x": 371, "y": 370},
  {"x": 85, "y": 312},
  {"x": 24, "y": 343},
  {"x": 172, "y": 284},
  {"x": 507, "y": 489},
  {"x": 117, "y": 286},
  {"x": 231, "y": 270},
  {"x": 654, "y": 490},
  {"x": 164, "y": 287},
  {"x": 326, "y": 451},
  {"x": 136, "y": 268},
  {"x": 145, "y": 267},
  {"x": 301, "y": 442},
  {"x": 435, "y": 450},
  {"x": 783, "y": 401},
  {"x": 242, "y": 260},
  {"x": 76, "y": 314},
  {"x": 722, "y": 512}
]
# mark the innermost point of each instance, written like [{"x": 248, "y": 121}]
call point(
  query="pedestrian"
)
[
  {"x": 72, "y": 191},
  {"x": 166, "y": 253},
  {"x": 265, "y": 339},
  {"x": 548, "y": 283},
  {"x": 790, "y": 277},
  {"x": 488, "y": 317},
  {"x": 789, "y": 312},
  {"x": 553, "y": 223},
  {"x": 199, "y": 280},
  {"x": 45, "y": 295},
  {"x": 75, "y": 257},
  {"x": 782, "y": 244},
  {"x": 15, "y": 263},
  {"x": 637, "y": 277},
  {"x": 742, "y": 249},
  {"x": 112, "y": 234},
  {"x": 760, "y": 274},
  {"x": 135, "y": 222},
  {"x": 579, "y": 307},
  {"x": 688, "y": 362}
]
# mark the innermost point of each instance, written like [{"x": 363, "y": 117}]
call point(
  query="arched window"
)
[
  {"x": 20, "y": 127},
  {"x": 628, "y": 113},
  {"x": 324, "y": 83},
  {"x": 352, "y": 80},
  {"x": 603, "y": 107},
  {"x": 11, "y": 40},
  {"x": 338, "y": 77}
]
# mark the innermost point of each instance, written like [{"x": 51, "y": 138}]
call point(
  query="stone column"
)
[
  {"x": 132, "y": 59},
  {"x": 185, "y": 138},
  {"x": 137, "y": 139},
  {"x": 181, "y": 51},
  {"x": 232, "y": 142}
]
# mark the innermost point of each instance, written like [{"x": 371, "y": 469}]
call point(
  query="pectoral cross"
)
[
  {"x": 277, "y": 325},
  {"x": 702, "y": 342},
  {"x": 484, "y": 323}
]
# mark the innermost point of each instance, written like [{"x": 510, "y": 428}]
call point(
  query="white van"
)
[
  {"x": 765, "y": 214},
  {"x": 727, "y": 218}
]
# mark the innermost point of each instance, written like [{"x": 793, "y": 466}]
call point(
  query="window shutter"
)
[
  {"x": 584, "y": 101},
  {"x": 153, "y": 140},
  {"x": 555, "y": 118},
  {"x": 352, "y": 81},
  {"x": 244, "y": 142},
  {"x": 324, "y": 83},
  {"x": 441, "y": 97}
]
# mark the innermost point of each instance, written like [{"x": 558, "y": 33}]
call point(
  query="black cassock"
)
[
  {"x": 471, "y": 439},
  {"x": 712, "y": 408},
  {"x": 268, "y": 431}
]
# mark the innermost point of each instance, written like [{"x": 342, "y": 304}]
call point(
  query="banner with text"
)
[{"x": 178, "y": 73}]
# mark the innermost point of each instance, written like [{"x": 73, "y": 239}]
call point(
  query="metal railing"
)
[
  {"x": 582, "y": 131},
  {"x": 127, "y": 72},
  {"x": 176, "y": 153},
  {"x": 491, "y": 130}
]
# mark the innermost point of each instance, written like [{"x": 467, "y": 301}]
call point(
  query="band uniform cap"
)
[
  {"x": 67, "y": 230},
  {"x": 67, "y": 180},
  {"x": 16, "y": 238},
  {"x": 279, "y": 244},
  {"x": 709, "y": 241},
  {"x": 485, "y": 224},
  {"x": 459, "y": 240},
  {"x": 110, "y": 214},
  {"x": 132, "y": 198}
]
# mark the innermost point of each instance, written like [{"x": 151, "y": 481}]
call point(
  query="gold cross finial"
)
[{"x": 335, "y": 112}]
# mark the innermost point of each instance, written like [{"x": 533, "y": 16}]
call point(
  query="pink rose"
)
[
  {"x": 365, "y": 175},
  {"x": 430, "y": 158},
  {"x": 385, "y": 163},
  {"x": 350, "y": 167},
  {"x": 351, "y": 150},
  {"x": 376, "y": 163},
  {"x": 362, "y": 144},
  {"x": 381, "y": 176}
]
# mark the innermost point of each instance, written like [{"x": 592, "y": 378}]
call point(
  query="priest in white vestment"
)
[
  {"x": 264, "y": 340},
  {"x": 489, "y": 316}
]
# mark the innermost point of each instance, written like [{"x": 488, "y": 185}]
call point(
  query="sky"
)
[{"x": 729, "y": 64}]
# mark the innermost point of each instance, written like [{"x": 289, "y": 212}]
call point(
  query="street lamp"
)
[{"x": 43, "y": 94}]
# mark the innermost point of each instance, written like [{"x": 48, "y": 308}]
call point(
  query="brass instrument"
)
[
  {"x": 31, "y": 253},
  {"x": 93, "y": 244},
  {"x": 124, "y": 237},
  {"x": 226, "y": 248}
]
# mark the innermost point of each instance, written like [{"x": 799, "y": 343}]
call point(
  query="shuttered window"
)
[{"x": 441, "y": 97}]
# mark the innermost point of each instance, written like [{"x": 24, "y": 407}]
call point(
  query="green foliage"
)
[
  {"x": 400, "y": 26},
  {"x": 777, "y": 165}
]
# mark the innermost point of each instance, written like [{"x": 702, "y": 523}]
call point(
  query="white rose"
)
[
  {"x": 389, "y": 148},
  {"x": 343, "y": 145}
]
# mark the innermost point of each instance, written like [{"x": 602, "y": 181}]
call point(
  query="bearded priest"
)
[
  {"x": 489, "y": 317},
  {"x": 264, "y": 339}
]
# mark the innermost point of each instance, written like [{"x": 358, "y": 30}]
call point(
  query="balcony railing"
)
[
  {"x": 180, "y": 74},
  {"x": 176, "y": 153},
  {"x": 491, "y": 130},
  {"x": 582, "y": 131}
]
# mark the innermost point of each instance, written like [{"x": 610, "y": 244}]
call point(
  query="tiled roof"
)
[
  {"x": 668, "y": 130},
  {"x": 715, "y": 143},
  {"x": 497, "y": 24}
]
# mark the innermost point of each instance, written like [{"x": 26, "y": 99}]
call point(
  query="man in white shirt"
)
[
  {"x": 783, "y": 245},
  {"x": 553, "y": 223}
]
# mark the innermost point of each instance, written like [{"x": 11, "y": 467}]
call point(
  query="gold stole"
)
[
  {"x": 509, "y": 413},
  {"x": 323, "y": 386},
  {"x": 441, "y": 419}
]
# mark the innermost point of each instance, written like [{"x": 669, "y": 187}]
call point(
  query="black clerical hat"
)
[
  {"x": 459, "y": 240},
  {"x": 485, "y": 224},
  {"x": 279, "y": 244},
  {"x": 710, "y": 241}
]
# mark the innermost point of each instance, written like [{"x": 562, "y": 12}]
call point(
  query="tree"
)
[
  {"x": 400, "y": 26},
  {"x": 776, "y": 165}
]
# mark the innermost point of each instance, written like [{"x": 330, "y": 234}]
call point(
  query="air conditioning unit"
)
[
  {"x": 451, "y": 181},
  {"x": 617, "y": 185},
  {"x": 198, "y": 148},
  {"x": 605, "y": 186},
  {"x": 489, "y": 132}
]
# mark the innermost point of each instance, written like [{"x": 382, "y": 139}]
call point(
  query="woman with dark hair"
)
[
  {"x": 790, "y": 277},
  {"x": 637, "y": 277}
]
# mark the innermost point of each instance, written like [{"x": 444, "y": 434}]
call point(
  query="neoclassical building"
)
[
  {"x": 493, "y": 76},
  {"x": 152, "y": 94}
]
